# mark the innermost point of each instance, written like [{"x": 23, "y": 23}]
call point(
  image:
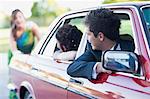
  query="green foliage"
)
[
  {"x": 45, "y": 11},
  {"x": 36, "y": 10},
  {"x": 5, "y": 22}
]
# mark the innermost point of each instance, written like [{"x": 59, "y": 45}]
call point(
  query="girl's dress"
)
[{"x": 25, "y": 42}]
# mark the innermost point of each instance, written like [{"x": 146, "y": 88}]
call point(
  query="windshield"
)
[{"x": 146, "y": 12}]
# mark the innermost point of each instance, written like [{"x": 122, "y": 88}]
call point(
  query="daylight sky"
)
[{"x": 7, "y": 6}]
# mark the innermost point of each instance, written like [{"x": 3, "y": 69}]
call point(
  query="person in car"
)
[
  {"x": 68, "y": 40},
  {"x": 103, "y": 34}
]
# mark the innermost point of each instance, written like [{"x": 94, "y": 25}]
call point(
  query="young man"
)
[{"x": 103, "y": 34}]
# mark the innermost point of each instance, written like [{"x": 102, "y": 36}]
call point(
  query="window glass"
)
[
  {"x": 78, "y": 22},
  {"x": 126, "y": 27},
  {"x": 146, "y": 12},
  {"x": 126, "y": 30}
]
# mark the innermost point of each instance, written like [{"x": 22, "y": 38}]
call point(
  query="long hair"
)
[{"x": 13, "y": 26}]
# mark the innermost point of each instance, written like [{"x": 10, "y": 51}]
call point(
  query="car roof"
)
[
  {"x": 136, "y": 4},
  {"x": 114, "y": 5}
]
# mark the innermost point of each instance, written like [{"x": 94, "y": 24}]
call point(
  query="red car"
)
[{"x": 39, "y": 76}]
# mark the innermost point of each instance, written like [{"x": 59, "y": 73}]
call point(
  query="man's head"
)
[{"x": 102, "y": 25}]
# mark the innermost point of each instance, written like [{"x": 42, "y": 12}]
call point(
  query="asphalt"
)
[{"x": 4, "y": 78}]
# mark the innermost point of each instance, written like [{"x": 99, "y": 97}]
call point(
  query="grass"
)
[{"x": 4, "y": 40}]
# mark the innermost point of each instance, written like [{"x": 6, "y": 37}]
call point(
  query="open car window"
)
[
  {"x": 127, "y": 34},
  {"x": 52, "y": 47}
]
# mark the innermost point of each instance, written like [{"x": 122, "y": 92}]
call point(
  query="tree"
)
[{"x": 45, "y": 11}]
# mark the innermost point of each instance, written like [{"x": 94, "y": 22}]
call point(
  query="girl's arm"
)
[
  {"x": 13, "y": 44},
  {"x": 35, "y": 30}
]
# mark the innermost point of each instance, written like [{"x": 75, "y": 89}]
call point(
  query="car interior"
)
[{"x": 125, "y": 29}]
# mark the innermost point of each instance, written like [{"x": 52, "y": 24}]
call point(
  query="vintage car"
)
[{"x": 40, "y": 76}]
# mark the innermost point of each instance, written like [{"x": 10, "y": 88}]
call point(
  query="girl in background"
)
[{"x": 22, "y": 34}]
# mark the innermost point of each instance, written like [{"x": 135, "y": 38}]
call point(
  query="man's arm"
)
[{"x": 83, "y": 66}]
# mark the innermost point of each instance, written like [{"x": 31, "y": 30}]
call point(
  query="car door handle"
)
[
  {"x": 33, "y": 68},
  {"x": 75, "y": 81}
]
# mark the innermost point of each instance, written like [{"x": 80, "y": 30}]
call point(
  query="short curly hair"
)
[
  {"x": 105, "y": 21},
  {"x": 69, "y": 36}
]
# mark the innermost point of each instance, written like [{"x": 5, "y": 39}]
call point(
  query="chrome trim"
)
[
  {"x": 82, "y": 93},
  {"x": 131, "y": 75},
  {"x": 60, "y": 85}
]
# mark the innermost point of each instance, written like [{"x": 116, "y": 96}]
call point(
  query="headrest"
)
[
  {"x": 127, "y": 42},
  {"x": 126, "y": 37}
]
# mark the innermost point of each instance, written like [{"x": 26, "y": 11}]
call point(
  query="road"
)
[{"x": 3, "y": 76}]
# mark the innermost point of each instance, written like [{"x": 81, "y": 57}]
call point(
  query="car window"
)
[
  {"x": 126, "y": 27},
  {"x": 78, "y": 22},
  {"x": 52, "y": 44},
  {"x": 146, "y": 13},
  {"x": 127, "y": 31}
]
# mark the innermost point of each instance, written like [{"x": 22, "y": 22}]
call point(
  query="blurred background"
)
[{"x": 42, "y": 12}]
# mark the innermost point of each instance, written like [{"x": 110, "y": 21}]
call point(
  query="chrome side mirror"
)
[{"x": 120, "y": 61}]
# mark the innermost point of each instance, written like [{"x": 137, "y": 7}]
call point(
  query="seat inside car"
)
[{"x": 128, "y": 41}]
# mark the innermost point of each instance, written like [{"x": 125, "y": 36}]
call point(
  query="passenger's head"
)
[
  {"x": 17, "y": 19},
  {"x": 69, "y": 37},
  {"x": 104, "y": 21}
]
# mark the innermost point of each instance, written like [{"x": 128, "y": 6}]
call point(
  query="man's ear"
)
[{"x": 101, "y": 36}]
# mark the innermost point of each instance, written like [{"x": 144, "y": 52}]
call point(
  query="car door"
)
[
  {"x": 50, "y": 76},
  {"x": 119, "y": 85}
]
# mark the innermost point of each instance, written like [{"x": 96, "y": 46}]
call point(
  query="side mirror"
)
[{"x": 120, "y": 61}]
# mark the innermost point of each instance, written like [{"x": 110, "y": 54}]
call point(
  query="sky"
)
[
  {"x": 7, "y": 6},
  {"x": 78, "y": 4}
]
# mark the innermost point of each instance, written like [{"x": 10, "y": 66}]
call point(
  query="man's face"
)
[{"x": 95, "y": 41}]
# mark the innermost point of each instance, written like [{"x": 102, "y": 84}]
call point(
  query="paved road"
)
[{"x": 3, "y": 76}]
